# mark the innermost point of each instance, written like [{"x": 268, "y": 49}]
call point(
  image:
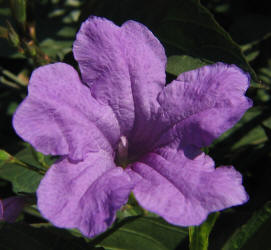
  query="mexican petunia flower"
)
[
  {"x": 119, "y": 129},
  {"x": 10, "y": 208}
]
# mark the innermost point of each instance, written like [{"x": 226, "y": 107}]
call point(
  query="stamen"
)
[{"x": 122, "y": 151}]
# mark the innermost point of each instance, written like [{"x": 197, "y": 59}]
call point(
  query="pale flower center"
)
[{"x": 122, "y": 152}]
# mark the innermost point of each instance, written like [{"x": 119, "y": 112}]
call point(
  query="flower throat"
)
[{"x": 121, "y": 158}]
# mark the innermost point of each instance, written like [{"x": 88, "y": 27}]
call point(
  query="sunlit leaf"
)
[
  {"x": 179, "y": 64},
  {"x": 25, "y": 179}
]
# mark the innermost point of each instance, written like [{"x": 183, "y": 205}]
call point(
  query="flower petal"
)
[
  {"x": 125, "y": 67},
  {"x": 184, "y": 191},
  {"x": 84, "y": 195},
  {"x": 60, "y": 116},
  {"x": 11, "y": 208},
  {"x": 203, "y": 103}
]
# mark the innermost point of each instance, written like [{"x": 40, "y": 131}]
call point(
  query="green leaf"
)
[
  {"x": 13, "y": 36},
  {"x": 265, "y": 75},
  {"x": 255, "y": 234},
  {"x": 247, "y": 131},
  {"x": 139, "y": 233},
  {"x": 42, "y": 238},
  {"x": 185, "y": 28},
  {"x": 128, "y": 211},
  {"x": 25, "y": 178},
  {"x": 251, "y": 29},
  {"x": 62, "y": 18},
  {"x": 179, "y": 64},
  {"x": 3, "y": 32},
  {"x": 198, "y": 235},
  {"x": 4, "y": 156},
  {"x": 54, "y": 48},
  {"x": 7, "y": 50},
  {"x": 30, "y": 156},
  {"x": 190, "y": 29},
  {"x": 18, "y": 8},
  {"x": 267, "y": 131}
]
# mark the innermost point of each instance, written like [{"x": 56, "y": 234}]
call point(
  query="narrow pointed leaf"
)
[
  {"x": 199, "y": 235},
  {"x": 23, "y": 170},
  {"x": 18, "y": 8},
  {"x": 255, "y": 233}
]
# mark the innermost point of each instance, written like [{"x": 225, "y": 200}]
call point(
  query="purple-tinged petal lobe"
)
[
  {"x": 60, "y": 116},
  {"x": 11, "y": 208},
  {"x": 202, "y": 104},
  {"x": 84, "y": 195},
  {"x": 121, "y": 110},
  {"x": 125, "y": 67},
  {"x": 185, "y": 191}
]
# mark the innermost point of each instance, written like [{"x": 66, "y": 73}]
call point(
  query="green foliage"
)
[
  {"x": 18, "y": 8},
  {"x": 57, "y": 41},
  {"x": 251, "y": 29},
  {"x": 188, "y": 28},
  {"x": 139, "y": 233},
  {"x": 179, "y": 64},
  {"x": 184, "y": 27},
  {"x": 39, "y": 237},
  {"x": 25, "y": 170},
  {"x": 255, "y": 234},
  {"x": 5, "y": 156},
  {"x": 199, "y": 235},
  {"x": 194, "y": 33}
]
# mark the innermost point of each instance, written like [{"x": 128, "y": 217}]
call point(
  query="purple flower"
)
[
  {"x": 120, "y": 129},
  {"x": 11, "y": 208}
]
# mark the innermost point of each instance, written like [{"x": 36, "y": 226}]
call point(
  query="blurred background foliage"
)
[{"x": 34, "y": 33}]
